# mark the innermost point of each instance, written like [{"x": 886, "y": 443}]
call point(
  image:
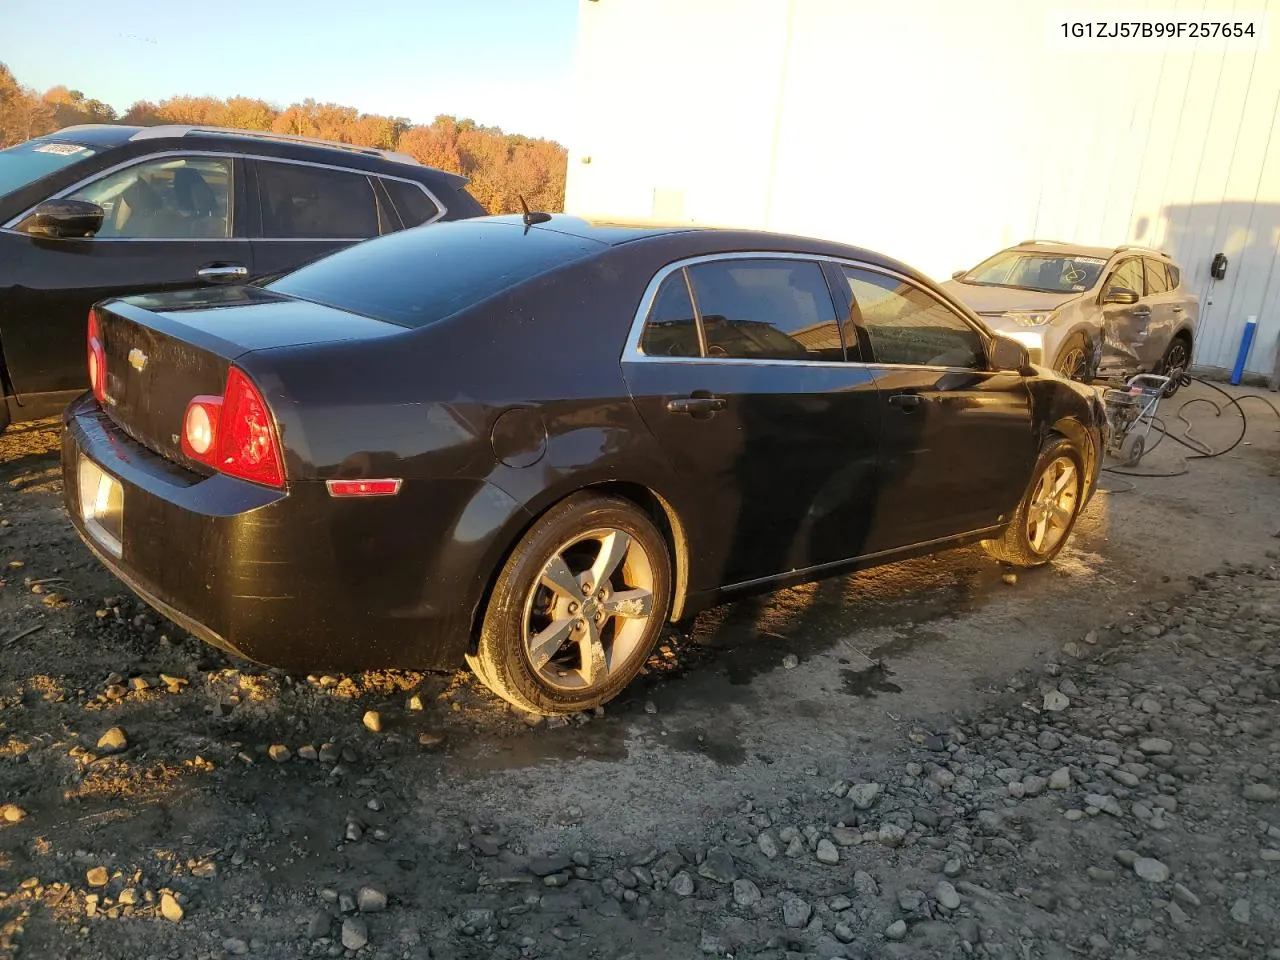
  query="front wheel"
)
[
  {"x": 1048, "y": 511},
  {"x": 1074, "y": 360},
  {"x": 577, "y": 607}
]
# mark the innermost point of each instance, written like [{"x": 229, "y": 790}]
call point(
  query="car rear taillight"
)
[
  {"x": 97, "y": 359},
  {"x": 234, "y": 433},
  {"x": 200, "y": 429}
]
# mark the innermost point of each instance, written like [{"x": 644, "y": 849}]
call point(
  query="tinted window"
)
[
  {"x": 1129, "y": 276},
  {"x": 1157, "y": 282},
  {"x": 28, "y": 162},
  {"x": 415, "y": 277},
  {"x": 907, "y": 325},
  {"x": 1175, "y": 276},
  {"x": 766, "y": 309},
  {"x": 315, "y": 203},
  {"x": 412, "y": 203},
  {"x": 177, "y": 198},
  {"x": 670, "y": 330}
]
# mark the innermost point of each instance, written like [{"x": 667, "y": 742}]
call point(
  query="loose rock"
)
[
  {"x": 373, "y": 722},
  {"x": 355, "y": 933},
  {"x": 170, "y": 909},
  {"x": 1151, "y": 870},
  {"x": 113, "y": 741},
  {"x": 896, "y": 930},
  {"x": 371, "y": 900}
]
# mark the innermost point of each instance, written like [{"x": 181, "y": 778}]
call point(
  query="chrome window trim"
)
[
  {"x": 631, "y": 352},
  {"x": 8, "y": 227}
]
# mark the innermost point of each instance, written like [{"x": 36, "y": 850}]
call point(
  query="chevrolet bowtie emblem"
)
[{"x": 137, "y": 359}]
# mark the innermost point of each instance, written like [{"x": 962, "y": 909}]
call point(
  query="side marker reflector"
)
[{"x": 363, "y": 488}]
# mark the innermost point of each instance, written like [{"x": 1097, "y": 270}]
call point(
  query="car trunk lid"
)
[{"x": 163, "y": 350}]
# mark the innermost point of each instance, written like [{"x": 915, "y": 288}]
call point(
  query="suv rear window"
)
[{"x": 416, "y": 277}]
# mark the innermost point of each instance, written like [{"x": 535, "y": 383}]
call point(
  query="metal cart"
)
[{"x": 1131, "y": 410}]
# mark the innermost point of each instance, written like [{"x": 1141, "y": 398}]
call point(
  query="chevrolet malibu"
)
[{"x": 530, "y": 442}]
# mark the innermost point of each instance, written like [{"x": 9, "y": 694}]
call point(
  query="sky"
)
[{"x": 503, "y": 63}]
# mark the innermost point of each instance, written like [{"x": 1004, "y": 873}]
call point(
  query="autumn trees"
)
[{"x": 502, "y": 167}]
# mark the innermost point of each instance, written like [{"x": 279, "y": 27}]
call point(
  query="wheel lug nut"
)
[
  {"x": 586, "y": 589},
  {"x": 573, "y": 608}
]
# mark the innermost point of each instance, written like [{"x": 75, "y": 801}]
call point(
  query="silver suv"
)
[{"x": 1086, "y": 312}]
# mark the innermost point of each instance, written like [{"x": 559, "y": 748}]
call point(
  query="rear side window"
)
[
  {"x": 412, "y": 203},
  {"x": 766, "y": 310},
  {"x": 1157, "y": 281},
  {"x": 1128, "y": 276},
  {"x": 671, "y": 330},
  {"x": 1175, "y": 276},
  {"x": 416, "y": 277},
  {"x": 315, "y": 203}
]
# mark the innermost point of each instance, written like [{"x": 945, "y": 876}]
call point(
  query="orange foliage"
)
[{"x": 501, "y": 167}]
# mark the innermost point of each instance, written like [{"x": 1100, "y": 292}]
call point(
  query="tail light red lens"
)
[
  {"x": 234, "y": 433},
  {"x": 97, "y": 359},
  {"x": 247, "y": 443}
]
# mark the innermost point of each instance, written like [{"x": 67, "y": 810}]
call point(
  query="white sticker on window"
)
[
  {"x": 1088, "y": 260},
  {"x": 61, "y": 149}
]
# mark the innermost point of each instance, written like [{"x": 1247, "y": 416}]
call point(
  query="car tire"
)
[
  {"x": 551, "y": 642},
  {"x": 1177, "y": 358},
  {"x": 1074, "y": 359},
  {"x": 1023, "y": 546}
]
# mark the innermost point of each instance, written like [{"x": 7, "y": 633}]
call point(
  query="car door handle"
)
[
  {"x": 906, "y": 402},
  {"x": 1176, "y": 308},
  {"x": 696, "y": 405},
  {"x": 223, "y": 271},
  {"x": 1141, "y": 311}
]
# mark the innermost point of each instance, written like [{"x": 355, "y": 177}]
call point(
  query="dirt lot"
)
[{"x": 920, "y": 761}]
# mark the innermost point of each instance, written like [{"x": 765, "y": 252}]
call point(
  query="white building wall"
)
[{"x": 937, "y": 132}]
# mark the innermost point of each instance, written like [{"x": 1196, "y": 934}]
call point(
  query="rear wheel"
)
[
  {"x": 577, "y": 607},
  {"x": 1073, "y": 360},
  {"x": 1174, "y": 364},
  {"x": 1048, "y": 511}
]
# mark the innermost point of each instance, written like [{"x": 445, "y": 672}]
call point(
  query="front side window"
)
[
  {"x": 670, "y": 329},
  {"x": 909, "y": 326},
  {"x": 177, "y": 198},
  {"x": 1129, "y": 276},
  {"x": 1157, "y": 282},
  {"x": 315, "y": 203},
  {"x": 763, "y": 309}
]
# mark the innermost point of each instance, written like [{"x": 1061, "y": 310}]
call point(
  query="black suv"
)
[{"x": 101, "y": 211}]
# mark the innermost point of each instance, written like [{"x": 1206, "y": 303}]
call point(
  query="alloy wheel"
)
[
  {"x": 1053, "y": 505},
  {"x": 587, "y": 614},
  {"x": 1175, "y": 365},
  {"x": 1074, "y": 364}
]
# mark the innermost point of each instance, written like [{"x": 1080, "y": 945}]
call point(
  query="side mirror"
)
[
  {"x": 1009, "y": 354},
  {"x": 958, "y": 274},
  {"x": 1120, "y": 295},
  {"x": 65, "y": 219}
]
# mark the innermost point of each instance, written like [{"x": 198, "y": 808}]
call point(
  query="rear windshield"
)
[
  {"x": 28, "y": 162},
  {"x": 416, "y": 277}
]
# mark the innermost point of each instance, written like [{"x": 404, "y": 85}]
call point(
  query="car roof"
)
[
  {"x": 94, "y": 134},
  {"x": 1082, "y": 250},
  {"x": 267, "y": 142},
  {"x": 613, "y": 231}
]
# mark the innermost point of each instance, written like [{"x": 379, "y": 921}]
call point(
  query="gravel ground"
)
[{"x": 920, "y": 761}]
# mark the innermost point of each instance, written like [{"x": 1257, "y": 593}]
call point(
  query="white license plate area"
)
[{"x": 101, "y": 506}]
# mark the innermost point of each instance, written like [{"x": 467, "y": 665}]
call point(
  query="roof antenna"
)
[{"x": 532, "y": 217}]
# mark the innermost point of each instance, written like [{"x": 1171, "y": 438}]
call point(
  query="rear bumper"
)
[{"x": 292, "y": 579}]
